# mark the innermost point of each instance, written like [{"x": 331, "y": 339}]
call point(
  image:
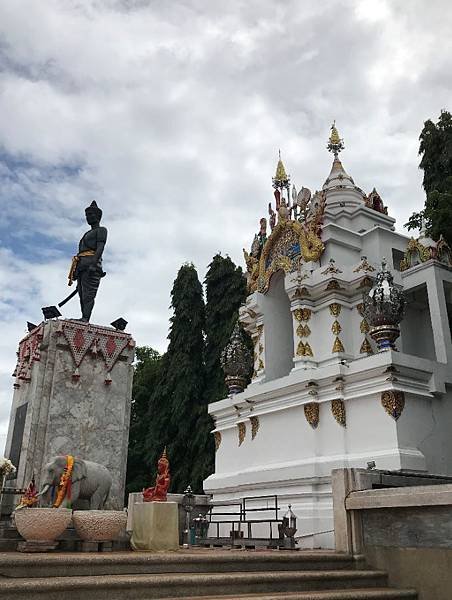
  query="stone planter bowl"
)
[
  {"x": 99, "y": 525},
  {"x": 42, "y": 524}
]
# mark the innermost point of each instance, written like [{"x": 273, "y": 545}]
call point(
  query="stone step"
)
[
  {"x": 8, "y": 545},
  {"x": 199, "y": 561},
  {"x": 183, "y": 585},
  {"x": 9, "y": 533},
  {"x": 356, "y": 594}
]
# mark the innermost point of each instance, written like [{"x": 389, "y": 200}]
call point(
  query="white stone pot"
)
[
  {"x": 99, "y": 525},
  {"x": 42, "y": 524}
]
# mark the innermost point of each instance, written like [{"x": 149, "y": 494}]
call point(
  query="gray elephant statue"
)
[{"x": 90, "y": 482}]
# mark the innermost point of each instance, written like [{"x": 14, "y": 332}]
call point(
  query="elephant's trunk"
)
[{"x": 45, "y": 488}]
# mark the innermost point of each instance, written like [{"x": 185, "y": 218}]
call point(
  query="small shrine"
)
[{"x": 352, "y": 363}]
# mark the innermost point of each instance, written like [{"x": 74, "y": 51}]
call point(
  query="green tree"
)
[
  {"x": 225, "y": 288},
  {"x": 436, "y": 162},
  {"x": 145, "y": 377},
  {"x": 176, "y": 408},
  {"x": 225, "y": 292}
]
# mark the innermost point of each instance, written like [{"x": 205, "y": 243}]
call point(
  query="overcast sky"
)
[{"x": 171, "y": 114}]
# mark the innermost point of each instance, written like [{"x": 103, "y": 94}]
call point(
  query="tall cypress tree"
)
[
  {"x": 145, "y": 377},
  {"x": 225, "y": 292},
  {"x": 176, "y": 405},
  {"x": 436, "y": 151}
]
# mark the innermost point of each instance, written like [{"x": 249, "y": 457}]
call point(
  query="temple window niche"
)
[
  {"x": 278, "y": 329},
  {"x": 416, "y": 327}
]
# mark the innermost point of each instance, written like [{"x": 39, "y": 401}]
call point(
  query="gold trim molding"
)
[
  {"x": 241, "y": 427},
  {"x": 393, "y": 401},
  {"x": 338, "y": 411},
  {"x": 335, "y": 309},
  {"x": 312, "y": 413},
  {"x": 254, "y": 426}
]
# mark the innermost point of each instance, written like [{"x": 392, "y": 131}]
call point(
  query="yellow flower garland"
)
[{"x": 65, "y": 481}]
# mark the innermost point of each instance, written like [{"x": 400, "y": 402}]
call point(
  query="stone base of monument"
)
[
  {"x": 155, "y": 526},
  {"x": 84, "y": 546},
  {"x": 36, "y": 546}
]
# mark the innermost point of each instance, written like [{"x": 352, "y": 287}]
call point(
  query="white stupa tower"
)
[{"x": 323, "y": 394}]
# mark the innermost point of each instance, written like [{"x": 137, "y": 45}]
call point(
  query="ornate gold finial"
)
[
  {"x": 281, "y": 179},
  {"x": 335, "y": 143}
]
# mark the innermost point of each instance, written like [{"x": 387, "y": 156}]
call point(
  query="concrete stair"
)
[
  {"x": 203, "y": 574},
  {"x": 9, "y": 536},
  {"x": 356, "y": 594}
]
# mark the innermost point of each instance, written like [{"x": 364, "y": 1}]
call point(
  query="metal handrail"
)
[{"x": 242, "y": 514}]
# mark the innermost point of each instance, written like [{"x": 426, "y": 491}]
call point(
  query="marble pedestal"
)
[
  {"x": 72, "y": 395},
  {"x": 155, "y": 526}
]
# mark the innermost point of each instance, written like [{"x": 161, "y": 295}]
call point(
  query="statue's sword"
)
[{"x": 71, "y": 295}]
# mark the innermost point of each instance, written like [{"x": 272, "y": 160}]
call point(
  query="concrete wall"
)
[
  {"x": 405, "y": 531},
  {"x": 428, "y": 570}
]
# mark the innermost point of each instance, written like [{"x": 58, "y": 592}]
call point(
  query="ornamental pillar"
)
[
  {"x": 251, "y": 317},
  {"x": 302, "y": 321}
]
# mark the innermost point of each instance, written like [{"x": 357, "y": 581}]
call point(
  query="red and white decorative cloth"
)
[
  {"x": 82, "y": 337},
  {"x": 29, "y": 352}
]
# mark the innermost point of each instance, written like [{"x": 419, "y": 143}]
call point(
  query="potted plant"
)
[
  {"x": 40, "y": 527},
  {"x": 100, "y": 525}
]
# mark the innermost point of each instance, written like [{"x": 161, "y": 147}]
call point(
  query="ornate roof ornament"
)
[
  {"x": 338, "y": 177},
  {"x": 281, "y": 180},
  {"x": 295, "y": 233},
  {"x": 423, "y": 249},
  {"x": 374, "y": 201},
  {"x": 236, "y": 361},
  {"x": 335, "y": 142},
  {"x": 443, "y": 251},
  {"x": 383, "y": 309}
]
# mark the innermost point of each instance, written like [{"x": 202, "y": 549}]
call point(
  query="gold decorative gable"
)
[
  {"x": 414, "y": 250},
  {"x": 289, "y": 244}
]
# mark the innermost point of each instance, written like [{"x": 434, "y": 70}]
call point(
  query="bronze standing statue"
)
[{"x": 86, "y": 267}]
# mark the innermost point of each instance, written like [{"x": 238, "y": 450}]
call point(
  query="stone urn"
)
[
  {"x": 42, "y": 524},
  {"x": 99, "y": 525}
]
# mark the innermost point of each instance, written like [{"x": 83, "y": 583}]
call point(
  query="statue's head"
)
[
  {"x": 93, "y": 213},
  {"x": 163, "y": 463}
]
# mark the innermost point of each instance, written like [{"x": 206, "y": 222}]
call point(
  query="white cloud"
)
[{"x": 171, "y": 115}]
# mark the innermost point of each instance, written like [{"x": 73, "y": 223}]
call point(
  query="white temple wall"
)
[
  {"x": 341, "y": 244},
  {"x": 416, "y": 336},
  {"x": 379, "y": 242},
  {"x": 278, "y": 330},
  {"x": 434, "y": 275},
  {"x": 320, "y": 338}
]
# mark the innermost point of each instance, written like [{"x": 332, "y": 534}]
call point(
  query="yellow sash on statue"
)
[{"x": 74, "y": 263}]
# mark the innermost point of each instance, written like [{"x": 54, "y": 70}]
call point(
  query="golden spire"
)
[
  {"x": 281, "y": 174},
  {"x": 335, "y": 143},
  {"x": 281, "y": 179},
  {"x": 334, "y": 136}
]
